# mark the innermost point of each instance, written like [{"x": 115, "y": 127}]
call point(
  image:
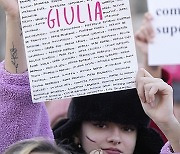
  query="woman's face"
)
[{"x": 112, "y": 138}]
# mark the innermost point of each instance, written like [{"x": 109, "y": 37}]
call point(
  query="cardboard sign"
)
[
  {"x": 79, "y": 47},
  {"x": 165, "y": 48}
]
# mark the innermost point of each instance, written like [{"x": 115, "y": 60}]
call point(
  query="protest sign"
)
[
  {"x": 165, "y": 48},
  {"x": 79, "y": 47}
]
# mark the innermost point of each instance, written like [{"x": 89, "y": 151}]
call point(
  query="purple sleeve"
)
[
  {"x": 167, "y": 149},
  {"x": 19, "y": 117}
]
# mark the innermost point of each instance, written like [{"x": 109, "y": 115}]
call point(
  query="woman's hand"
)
[
  {"x": 145, "y": 34},
  {"x": 156, "y": 97},
  {"x": 10, "y": 7},
  {"x": 157, "y": 101},
  {"x": 143, "y": 37}
]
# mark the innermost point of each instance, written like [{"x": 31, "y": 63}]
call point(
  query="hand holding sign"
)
[{"x": 10, "y": 7}]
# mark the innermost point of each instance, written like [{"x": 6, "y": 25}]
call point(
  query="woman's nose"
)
[{"x": 115, "y": 136}]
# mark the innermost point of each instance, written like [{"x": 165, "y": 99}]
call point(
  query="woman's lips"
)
[{"x": 112, "y": 151}]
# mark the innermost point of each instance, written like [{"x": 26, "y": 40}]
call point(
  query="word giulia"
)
[{"x": 69, "y": 17}]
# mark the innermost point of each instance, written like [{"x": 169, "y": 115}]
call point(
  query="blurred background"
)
[
  {"x": 138, "y": 8},
  {"x": 2, "y": 34}
]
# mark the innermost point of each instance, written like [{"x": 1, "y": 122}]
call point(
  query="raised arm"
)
[
  {"x": 19, "y": 117},
  {"x": 157, "y": 101},
  {"x": 144, "y": 36},
  {"x": 15, "y": 60}
]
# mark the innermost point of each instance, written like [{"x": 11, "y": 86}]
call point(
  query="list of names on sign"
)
[{"x": 78, "y": 47}]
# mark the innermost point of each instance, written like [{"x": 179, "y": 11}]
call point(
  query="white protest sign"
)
[
  {"x": 78, "y": 47},
  {"x": 165, "y": 48}
]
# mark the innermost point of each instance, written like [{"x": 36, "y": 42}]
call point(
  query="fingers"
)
[
  {"x": 142, "y": 73},
  {"x": 148, "y": 87},
  {"x": 146, "y": 32},
  {"x": 148, "y": 16},
  {"x": 149, "y": 28},
  {"x": 150, "y": 91},
  {"x": 139, "y": 85}
]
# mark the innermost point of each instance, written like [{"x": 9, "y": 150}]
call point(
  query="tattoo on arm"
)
[{"x": 14, "y": 56}]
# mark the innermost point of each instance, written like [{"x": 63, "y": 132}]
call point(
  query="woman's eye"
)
[
  {"x": 100, "y": 125},
  {"x": 128, "y": 129}
]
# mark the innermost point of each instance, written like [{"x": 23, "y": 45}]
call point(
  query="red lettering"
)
[
  {"x": 68, "y": 15},
  {"x": 72, "y": 16}
]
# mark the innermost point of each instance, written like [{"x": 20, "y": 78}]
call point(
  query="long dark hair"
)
[
  {"x": 148, "y": 141},
  {"x": 68, "y": 142}
]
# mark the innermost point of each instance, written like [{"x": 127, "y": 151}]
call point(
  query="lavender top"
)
[
  {"x": 167, "y": 149},
  {"x": 19, "y": 117}
]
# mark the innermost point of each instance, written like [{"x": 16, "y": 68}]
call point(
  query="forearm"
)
[
  {"x": 172, "y": 132},
  {"x": 15, "y": 59}
]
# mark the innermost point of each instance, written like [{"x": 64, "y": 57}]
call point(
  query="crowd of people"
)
[{"x": 108, "y": 123}]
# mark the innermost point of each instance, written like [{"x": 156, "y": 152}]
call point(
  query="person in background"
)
[
  {"x": 57, "y": 110},
  {"x": 34, "y": 146}
]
